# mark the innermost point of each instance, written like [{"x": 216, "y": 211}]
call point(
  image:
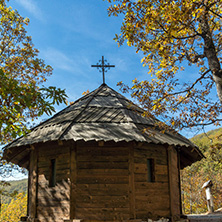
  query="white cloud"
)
[
  {"x": 32, "y": 8},
  {"x": 58, "y": 59}
]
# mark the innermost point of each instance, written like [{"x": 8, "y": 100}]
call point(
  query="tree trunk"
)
[{"x": 211, "y": 54}]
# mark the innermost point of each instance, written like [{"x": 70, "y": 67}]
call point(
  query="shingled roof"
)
[{"x": 105, "y": 115}]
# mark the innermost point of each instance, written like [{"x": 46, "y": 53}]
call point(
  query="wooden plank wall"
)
[
  {"x": 53, "y": 203},
  {"x": 109, "y": 181},
  {"x": 151, "y": 198},
  {"x": 102, "y": 182}
]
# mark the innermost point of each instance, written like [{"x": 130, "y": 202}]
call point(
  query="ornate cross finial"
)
[{"x": 103, "y": 67}]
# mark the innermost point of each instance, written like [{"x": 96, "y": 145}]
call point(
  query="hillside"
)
[
  {"x": 205, "y": 139},
  {"x": 210, "y": 168},
  {"x": 19, "y": 185}
]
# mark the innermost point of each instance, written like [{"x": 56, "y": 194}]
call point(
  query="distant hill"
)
[
  {"x": 206, "y": 139},
  {"x": 19, "y": 185}
]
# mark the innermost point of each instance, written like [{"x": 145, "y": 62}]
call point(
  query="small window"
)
[
  {"x": 53, "y": 173},
  {"x": 150, "y": 170}
]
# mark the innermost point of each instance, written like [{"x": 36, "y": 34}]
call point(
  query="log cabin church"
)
[{"x": 93, "y": 162}]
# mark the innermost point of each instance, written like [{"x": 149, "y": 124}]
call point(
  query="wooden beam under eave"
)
[
  {"x": 23, "y": 162},
  {"x": 187, "y": 157}
]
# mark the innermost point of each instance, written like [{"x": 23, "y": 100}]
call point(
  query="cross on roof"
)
[{"x": 103, "y": 67}]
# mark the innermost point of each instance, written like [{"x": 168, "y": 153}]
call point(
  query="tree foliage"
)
[
  {"x": 210, "y": 168},
  {"x": 172, "y": 35},
  {"x": 23, "y": 96},
  {"x": 15, "y": 209}
]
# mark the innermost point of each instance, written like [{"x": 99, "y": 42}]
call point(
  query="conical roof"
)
[{"x": 104, "y": 115}]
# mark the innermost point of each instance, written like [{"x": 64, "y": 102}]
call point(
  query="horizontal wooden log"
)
[
  {"x": 153, "y": 186},
  {"x": 161, "y": 178},
  {"x": 161, "y": 172},
  {"x": 52, "y": 154},
  {"x": 155, "y": 151},
  {"x": 103, "y": 189},
  {"x": 161, "y": 169},
  {"x": 110, "y": 204},
  {"x": 104, "y": 198},
  {"x": 105, "y": 172},
  {"x": 88, "y": 201},
  {"x": 59, "y": 169},
  {"x": 152, "y": 204},
  {"x": 161, "y": 161},
  {"x": 47, "y": 170},
  {"x": 153, "y": 192},
  {"x": 158, "y": 160},
  {"x": 103, "y": 151},
  {"x": 101, "y": 158},
  {"x": 103, "y": 214},
  {"x": 62, "y": 157},
  {"x": 152, "y": 198},
  {"x": 140, "y": 168},
  {"x": 149, "y": 146},
  {"x": 103, "y": 165},
  {"x": 140, "y": 177},
  {"x": 104, "y": 179}
]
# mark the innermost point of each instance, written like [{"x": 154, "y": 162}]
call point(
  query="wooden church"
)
[{"x": 93, "y": 162}]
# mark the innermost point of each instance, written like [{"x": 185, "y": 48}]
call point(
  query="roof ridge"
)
[
  {"x": 83, "y": 97},
  {"x": 72, "y": 122},
  {"x": 125, "y": 98},
  {"x": 128, "y": 118}
]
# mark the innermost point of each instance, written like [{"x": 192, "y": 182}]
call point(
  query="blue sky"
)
[{"x": 72, "y": 35}]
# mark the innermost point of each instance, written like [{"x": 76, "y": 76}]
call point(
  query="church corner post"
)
[
  {"x": 174, "y": 183},
  {"x": 131, "y": 182},
  {"x": 32, "y": 184},
  {"x": 73, "y": 175}
]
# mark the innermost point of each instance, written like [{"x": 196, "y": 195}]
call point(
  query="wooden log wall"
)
[
  {"x": 108, "y": 181},
  {"x": 151, "y": 198},
  {"x": 102, "y": 182},
  {"x": 53, "y": 203}
]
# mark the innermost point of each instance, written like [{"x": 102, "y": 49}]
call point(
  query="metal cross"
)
[{"x": 103, "y": 67}]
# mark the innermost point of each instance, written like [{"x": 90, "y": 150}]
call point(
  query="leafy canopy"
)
[
  {"x": 171, "y": 35},
  {"x": 15, "y": 209},
  {"x": 209, "y": 168},
  {"x": 23, "y": 96}
]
